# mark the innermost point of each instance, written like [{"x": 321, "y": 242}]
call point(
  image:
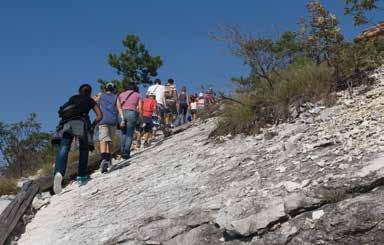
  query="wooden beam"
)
[{"x": 16, "y": 209}]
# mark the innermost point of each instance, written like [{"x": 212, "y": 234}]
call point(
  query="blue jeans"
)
[
  {"x": 127, "y": 137},
  {"x": 62, "y": 156}
]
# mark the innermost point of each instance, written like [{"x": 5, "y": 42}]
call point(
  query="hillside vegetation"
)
[{"x": 307, "y": 65}]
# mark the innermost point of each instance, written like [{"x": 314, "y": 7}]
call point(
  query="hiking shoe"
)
[
  {"x": 146, "y": 144},
  {"x": 166, "y": 133},
  {"x": 57, "y": 183},
  {"x": 104, "y": 166},
  {"x": 109, "y": 166},
  {"x": 125, "y": 157},
  {"x": 82, "y": 180},
  {"x": 138, "y": 144}
]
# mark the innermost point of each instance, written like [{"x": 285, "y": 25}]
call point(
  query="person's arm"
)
[
  {"x": 140, "y": 108},
  {"x": 155, "y": 106},
  {"x": 164, "y": 101},
  {"x": 99, "y": 114},
  {"x": 177, "y": 100},
  {"x": 97, "y": 97},
  {"x": 120, "y": 111}
]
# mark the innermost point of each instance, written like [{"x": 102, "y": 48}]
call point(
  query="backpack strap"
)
[{"x": 126, "y": 99}]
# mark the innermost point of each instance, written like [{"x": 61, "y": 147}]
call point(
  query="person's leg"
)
[
  {"x": 61, "y": 163},
  {"x": 161, "y": 114},
  {"x": 131, "y": 120},
  {"x": 147, "y": 129},
  {"x": 104, "y": 139},
  {"x": 123, "y": 139},
  {"x": 62, "y": 155},
  {"x": 138, "y": 135},
  {"x": 83, "y": 158},
  {"x": 184, "y": 112}
]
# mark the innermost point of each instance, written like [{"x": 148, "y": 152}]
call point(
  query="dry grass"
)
[
  {"x": 8, "y": 186},
  {"x": 265, "y": 106}
]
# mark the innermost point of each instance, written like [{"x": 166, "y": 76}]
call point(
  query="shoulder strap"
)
[
  {"x": 126, "y": 99},
  {"x": 156, "y": 88}
]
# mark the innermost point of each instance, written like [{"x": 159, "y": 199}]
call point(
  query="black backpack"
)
[{"x": 71, "y": 110}]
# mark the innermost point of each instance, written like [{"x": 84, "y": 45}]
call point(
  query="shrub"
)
[
  {"x": 8, "y": 186},
  {"x": 302, "y": 82},
  {"x": 298, "y": 67},
  {"x": 236, "y": 118}
]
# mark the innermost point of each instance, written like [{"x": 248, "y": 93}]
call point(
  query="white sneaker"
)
[
  {"x": 57, "y": 183},
  {"x": 109, "y": 166}
]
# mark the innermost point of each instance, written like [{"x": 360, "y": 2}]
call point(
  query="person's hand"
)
[{"x": 122, "y": 124}]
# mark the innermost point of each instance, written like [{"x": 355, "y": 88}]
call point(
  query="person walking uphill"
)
[
  {"x": 132, "y": 107},
  {"x": 158, "y": 90},
  {"x": 111, "y": 108},
  {"x": 183, "y": 104},
  {"x": 75, "y": 122},
  {"x": 149, "y": 107},
  {"x": 171, "y": 102}
]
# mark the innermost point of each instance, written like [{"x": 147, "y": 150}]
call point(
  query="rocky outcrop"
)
[{"x": 318, "y": 180}]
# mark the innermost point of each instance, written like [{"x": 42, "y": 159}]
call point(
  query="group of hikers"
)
[{"x": 137, "y": 118}]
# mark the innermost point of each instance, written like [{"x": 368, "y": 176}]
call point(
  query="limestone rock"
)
[{"x": 316, "y": 180}]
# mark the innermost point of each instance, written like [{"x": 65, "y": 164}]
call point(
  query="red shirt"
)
[{"x": 148, "y": 106}]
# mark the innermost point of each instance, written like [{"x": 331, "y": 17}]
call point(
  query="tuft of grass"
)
[
  {"x": 333, "y": 195},
  {"x": 8, "y": 186},
  {"x": 266, "y": 105},
  {"x": 236, "y": 119}
]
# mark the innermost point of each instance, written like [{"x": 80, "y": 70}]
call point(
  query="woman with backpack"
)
[
  {"x": 111, "y": 108},
  {"x": 75, "y": 122},
  {"x": 131, "y": 104}
]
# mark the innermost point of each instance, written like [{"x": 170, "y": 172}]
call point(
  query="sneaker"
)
[
  {"x": 82, "y": 180},
  {"x": 109, "y": 166},
  {"x": 138, "y": 144},
  {"x": 57, "y": 183},
  {"x": 125, "y": 157},
  {"x": 146, "y": 144},
  {"x": 104, "y": 166}
]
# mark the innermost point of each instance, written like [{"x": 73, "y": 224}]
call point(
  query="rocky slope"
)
[{"x": 318, "y": 180}]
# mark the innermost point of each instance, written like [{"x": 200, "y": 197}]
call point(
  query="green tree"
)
[
  {"x": 359, "y": 8},
  {"x": 134, "y": 64},
  {"x": 24, "y": 147},
  {"x": 265, "y": 56}
]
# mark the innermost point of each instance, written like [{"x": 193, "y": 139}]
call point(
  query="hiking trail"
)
[{"x": 317, "y": 180}]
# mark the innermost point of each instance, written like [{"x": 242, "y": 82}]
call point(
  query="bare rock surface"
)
[
  {"x": 318, "y": 180},
  {"x": 4, "y": 201}
]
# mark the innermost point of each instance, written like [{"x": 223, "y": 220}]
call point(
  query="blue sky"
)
[{"x": 48, "y": 48}]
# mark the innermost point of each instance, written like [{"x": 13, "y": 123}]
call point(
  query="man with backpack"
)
[
  {"x": 111, "y": 108},
  {"x": 75, "y": 122},
  {"x": 171, "y": 102}
]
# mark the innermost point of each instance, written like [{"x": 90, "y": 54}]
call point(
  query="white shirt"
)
[
  {"x": 158, "y": 90},
  {"x": 194, "y": 105}
]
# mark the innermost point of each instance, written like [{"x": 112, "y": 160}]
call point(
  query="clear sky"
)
[{"x": 48, "y": 48}]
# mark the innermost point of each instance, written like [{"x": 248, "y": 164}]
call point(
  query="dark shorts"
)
[
  {"x": 138, "y": 125},
  {"x": 148, "y": 124},
  {"x": 183, "y": 109},
  {"x": 160, "y": 110},
  {"x": 171, "y": 108},
  {"x": 193, "y": 111}
]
